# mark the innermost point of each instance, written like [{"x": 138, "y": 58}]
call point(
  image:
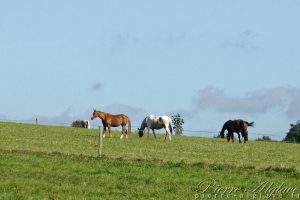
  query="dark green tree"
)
[
  {"x": 78, "y": 124},
  {"x": 294, "y": 133},
  {"x": 264, "y": 138},
  {"x": 177, "y": 124}
]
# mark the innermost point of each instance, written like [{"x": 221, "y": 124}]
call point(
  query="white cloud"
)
[
  {"x": 185, "y": 114},
  {"x": 245, "y": 40},
  {"x": 65, "y": 118},
  {"x": 97, "y": 86},
  {"x": 258, "y": 101}
]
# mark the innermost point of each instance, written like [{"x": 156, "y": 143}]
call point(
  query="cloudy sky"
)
[{"x": 208, "y": 60}]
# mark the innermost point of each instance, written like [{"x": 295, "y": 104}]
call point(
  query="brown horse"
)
[
  {"x": 109, "y": 120},
  {"x": 237, "y": 126}
]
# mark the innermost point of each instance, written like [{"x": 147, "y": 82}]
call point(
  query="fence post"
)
[{"x": 100, "y": 142}]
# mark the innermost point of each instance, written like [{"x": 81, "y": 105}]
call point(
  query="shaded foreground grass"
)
[
  {"x": 41, "y": 162},
  {"x": 57, "y": 176}
]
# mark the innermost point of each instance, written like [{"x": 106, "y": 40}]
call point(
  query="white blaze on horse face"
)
[{"x": 93, "y": 116}]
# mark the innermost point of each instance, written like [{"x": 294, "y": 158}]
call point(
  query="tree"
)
[
  {"x": 294, "y": 133},
  {"x": 177, "y": 124},
  {"x": 264, "y": 138}
]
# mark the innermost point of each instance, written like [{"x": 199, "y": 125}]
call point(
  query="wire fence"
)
[
  {"x": 199, "y": 133},
  {"x": 36, "y": 121}
]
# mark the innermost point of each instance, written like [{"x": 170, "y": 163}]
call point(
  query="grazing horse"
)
[
  {"x": 109, "y": 120},
  {"x": 237, "y": 126},
  {"x": 156, "y": 122},
  {"x": 81, "y": 124},
  {"x": 86, "y": 124}
]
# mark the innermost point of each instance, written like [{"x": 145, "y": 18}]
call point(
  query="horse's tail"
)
[
  {"x": 250, "y": 124},
  {"x": 129, "y": 125},
  {"x": 171, "y": 127}
]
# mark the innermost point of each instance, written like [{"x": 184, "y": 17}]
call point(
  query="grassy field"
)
[{"x": 44, "y": 162}]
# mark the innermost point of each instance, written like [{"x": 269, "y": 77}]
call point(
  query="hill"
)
[{"x": 46, "y": 162}]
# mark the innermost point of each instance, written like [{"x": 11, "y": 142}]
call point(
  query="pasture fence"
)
[
  {"x": 188, "y": 132},
  {"x": 100, "y": 145}
]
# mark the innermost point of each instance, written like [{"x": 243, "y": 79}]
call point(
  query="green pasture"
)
[{"x": 46, "y": 162}]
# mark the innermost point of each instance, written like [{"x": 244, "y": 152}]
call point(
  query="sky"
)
[{"x": 209, "y": 61}]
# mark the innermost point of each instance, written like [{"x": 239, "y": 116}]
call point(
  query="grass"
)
[{"x": 45, "y": 162}]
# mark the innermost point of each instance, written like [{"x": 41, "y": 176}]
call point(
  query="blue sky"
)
[{"x": 208, "y": 60}]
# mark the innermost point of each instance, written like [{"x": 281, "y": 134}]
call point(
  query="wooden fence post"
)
[{"x": 100, "y": 142}]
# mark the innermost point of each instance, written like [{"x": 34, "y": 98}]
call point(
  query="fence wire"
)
[{"x": 200, "y": 133}]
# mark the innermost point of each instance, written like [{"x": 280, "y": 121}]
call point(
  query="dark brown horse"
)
[
  {"x": 109, "y": 120},
  {"x": 238, "y": 126}
]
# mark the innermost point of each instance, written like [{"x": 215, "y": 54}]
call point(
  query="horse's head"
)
[
  {"x": 222, "y": 134},
  {"x": 141, "y": 132},
  {"x": 94, "y": 115}
]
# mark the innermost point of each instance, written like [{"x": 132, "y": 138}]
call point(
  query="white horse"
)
[
  {"x": 156, "y": 122},
  {"x": 86, "y": 124}
]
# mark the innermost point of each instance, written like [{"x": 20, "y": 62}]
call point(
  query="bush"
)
[
  {"x": 264, "y": 138},
  {"x": 177, "y": 124},
  {"x": 294, "y": 133}
]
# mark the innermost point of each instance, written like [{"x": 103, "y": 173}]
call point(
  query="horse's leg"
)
[
  {"x": 232, "y": 136},
  {"x": 122, "y": 134},
  {"x": 170, "y": 135},
  {"x": 239, "y": 137},
  {"x": 126, "y": 132},
  {"x": 228, "y": 136},
  {"x": 148, "y": 131},
  {"x": 245, "y": 133},
  {"x": 154, "y": 133},
  {"x": 168, "y": 132},
  {"x": 104, "y": 130},
  {"x": 109, "y": 131}
]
